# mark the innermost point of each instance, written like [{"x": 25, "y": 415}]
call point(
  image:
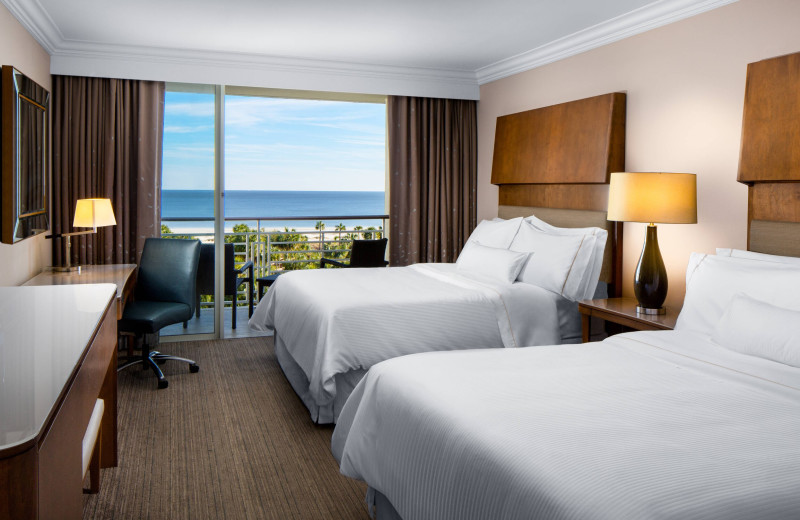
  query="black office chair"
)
[
  {"x": 233, "y": 278},
  {"x": 164, "y": 295},
  {"x": 363, "y": 253}
]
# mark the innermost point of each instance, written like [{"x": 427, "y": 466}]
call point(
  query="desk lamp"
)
[
  {"x": 93, "y": 213},
  {"x": 667, "y": 198}
]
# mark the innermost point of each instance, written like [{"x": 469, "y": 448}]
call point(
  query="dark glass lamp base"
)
[{"x": 650, "y": 282}]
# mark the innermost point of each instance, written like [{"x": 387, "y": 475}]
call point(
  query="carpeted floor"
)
[{"x": 231, "y": 441}]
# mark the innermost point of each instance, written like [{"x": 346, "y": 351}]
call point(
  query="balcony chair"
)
[
  {"x": 233, "y": 278},
  {"x": 164, "y": 295},
  {"x": 363, "y": 253}
]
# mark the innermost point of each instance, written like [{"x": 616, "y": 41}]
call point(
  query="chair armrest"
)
[
  {"x": 245, "y": 266},
  {"x": 324, "y": 261}
]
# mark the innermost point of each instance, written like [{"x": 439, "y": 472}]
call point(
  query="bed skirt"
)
[
  {"x": 320, "y": 414},
  {"x": 379, "y": 506}
]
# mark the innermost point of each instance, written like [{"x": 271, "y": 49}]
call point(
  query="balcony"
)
[{"x": 271, "y": 251}]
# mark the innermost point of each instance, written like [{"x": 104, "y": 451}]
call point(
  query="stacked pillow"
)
[
  {"x": 500, "y": 264},
  {"x": 746, "y": 302},
  {"x": 591, "y": 275},
  {"x": 752, "y": 255},
  {"x": 760, "y": 329},
  {"x": 566, "y": 261}
]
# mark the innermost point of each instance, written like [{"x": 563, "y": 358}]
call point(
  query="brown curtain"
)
[
  {"x": 107, "y": 137},
  {"x": 433, "y": 177}
]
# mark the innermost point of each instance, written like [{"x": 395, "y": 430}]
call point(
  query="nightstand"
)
[{"x": 622, "y": 311}]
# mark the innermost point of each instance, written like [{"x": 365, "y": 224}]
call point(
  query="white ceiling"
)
[{"x": 478, "y": 40}]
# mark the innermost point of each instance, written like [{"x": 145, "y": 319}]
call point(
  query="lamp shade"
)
[
  {"x": 668, "y": 198},
  {"x": 94, "y": 213}
]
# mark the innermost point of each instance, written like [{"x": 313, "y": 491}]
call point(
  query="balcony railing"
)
[{"x": 273, "y": 251}]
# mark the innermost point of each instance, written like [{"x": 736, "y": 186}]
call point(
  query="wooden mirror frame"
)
[{"x": 24, "y": 164}]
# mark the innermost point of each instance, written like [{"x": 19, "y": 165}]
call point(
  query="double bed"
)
[
  {"x": 700, "y": 422},
  {"x": 331, "y": 326}
]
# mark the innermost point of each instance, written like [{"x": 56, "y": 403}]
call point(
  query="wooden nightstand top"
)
[{"x": 623, "y": 311}]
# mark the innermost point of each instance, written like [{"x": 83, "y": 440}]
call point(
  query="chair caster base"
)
[
  {"x": 162, "y": 383},
  {"x": 194, "y": 368}
]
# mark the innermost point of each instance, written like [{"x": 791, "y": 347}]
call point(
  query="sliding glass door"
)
[
  {"x": 276, "y": 179},
  {"x": 188, "y": 196},
  {"x": 304, "y": 175}
]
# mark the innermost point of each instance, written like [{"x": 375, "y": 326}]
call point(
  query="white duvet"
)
[
  {"x": 657, "y": 425},
  {"x": 337, "y": 320}
]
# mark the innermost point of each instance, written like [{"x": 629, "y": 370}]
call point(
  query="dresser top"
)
[{"x": 44, "y": 332}]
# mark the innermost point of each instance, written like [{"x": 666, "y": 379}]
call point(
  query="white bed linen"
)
[
  {"x": 663, "y": 425},
  {"x": 338, "y": 320}
]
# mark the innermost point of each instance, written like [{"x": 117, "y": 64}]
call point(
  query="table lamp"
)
[
  {"x": 93, "y": 213},
  {"x": 667, "y": 198}
]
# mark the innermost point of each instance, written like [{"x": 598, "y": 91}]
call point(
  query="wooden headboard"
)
[
  {"x": 555, "y": 162},
  {"x": 769, "y": 162}
]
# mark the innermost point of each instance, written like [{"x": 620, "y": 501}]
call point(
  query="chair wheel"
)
[
  {"x": 194, "y": 368},
  {"x": 162, "y": 383}
]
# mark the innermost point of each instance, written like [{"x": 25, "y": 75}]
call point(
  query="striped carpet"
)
[{"x": 232, "y": 441}]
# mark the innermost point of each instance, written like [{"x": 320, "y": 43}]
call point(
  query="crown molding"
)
[
  {"x": 35, "y": 19},
  {"x": 255, "y": 70},
  {"x": 629, "y": 24},
  {"x": 168, "y": 64}
]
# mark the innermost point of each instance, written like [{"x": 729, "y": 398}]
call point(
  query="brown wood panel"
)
[
  {"x": 576, "y": 142},
  {"x": 566, "y": 196},
  {"x": 774, "y": 238},
  {"x": 777, "y": 201},
  {"x": 622, "y": 311},
  {"x": 18, "y": 486},
  {"x": 60, "y": 465},
  {"x": 770, "y": 148}
]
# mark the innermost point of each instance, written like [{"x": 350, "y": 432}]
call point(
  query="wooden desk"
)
[
  {"x": 622, "y": 311},
  {"x": 121, "y": 275},
  {"x": 58, "y": 354}
]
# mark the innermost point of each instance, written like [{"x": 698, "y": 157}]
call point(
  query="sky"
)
[{"x": 275, "y": 144}]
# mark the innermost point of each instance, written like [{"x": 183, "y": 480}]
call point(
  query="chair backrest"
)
[
  {"x": 368, "y": 253},
  {"x": 205, "y": 271},
  {"x": 168, "y": 270}
]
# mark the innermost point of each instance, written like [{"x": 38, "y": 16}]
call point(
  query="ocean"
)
[{"x": 245, "y": 205}]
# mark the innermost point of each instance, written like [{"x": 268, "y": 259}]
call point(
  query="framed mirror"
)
[{"x": 23, "y": 156}]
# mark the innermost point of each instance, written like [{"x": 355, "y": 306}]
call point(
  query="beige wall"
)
[
  {"x": 685, "y": 84},
  {"x": 24, "y": 259}
]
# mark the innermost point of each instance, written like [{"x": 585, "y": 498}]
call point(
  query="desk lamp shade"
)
[
  {"x": 667, "y": 198},
  {"x": 93, "y": 213}
]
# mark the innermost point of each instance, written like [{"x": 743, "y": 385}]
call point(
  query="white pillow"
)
[
  {"x": 559, "y": 262},
  {"x": 760, "y": 329},
  {"x": 541, "y": 225},
  {"x": 496, "y": 233},
  {"x": 500, "y": 264},
  {"x": 712, "y": 281},
  {"x": 752, "y": 255},
  {"x": 589, "y": 285}
]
